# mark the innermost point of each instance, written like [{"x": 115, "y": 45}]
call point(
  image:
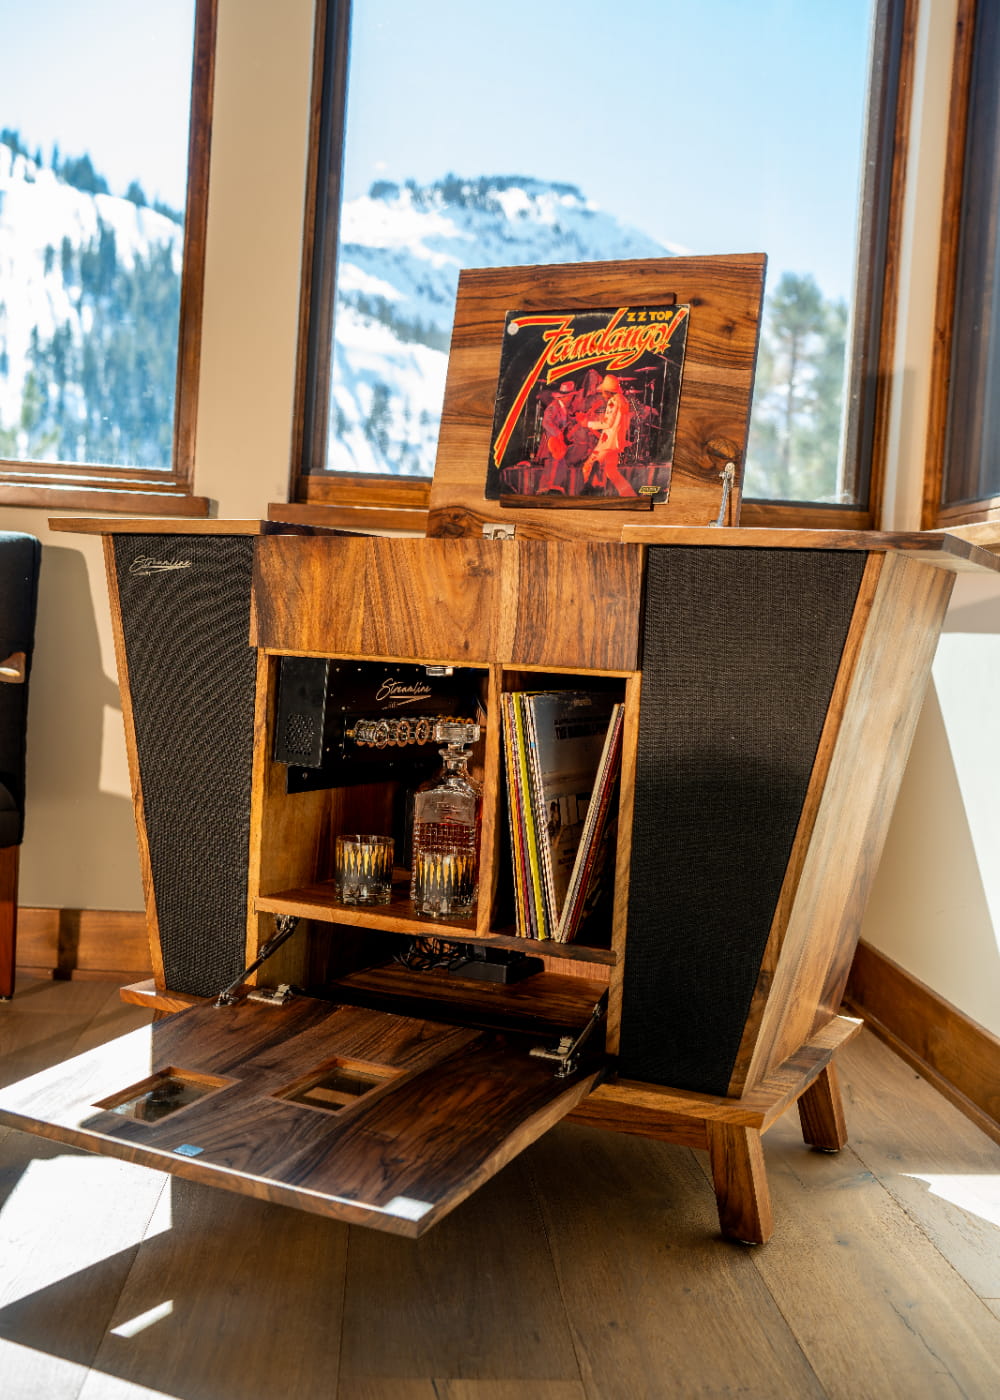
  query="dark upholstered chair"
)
[{"x": 20, "y": 556}]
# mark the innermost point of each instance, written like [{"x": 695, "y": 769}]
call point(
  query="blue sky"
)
[
  {"x": 719, "y": 125},
  {"x": 110, "y": 78},
  {"x": 722, "y": 125}
]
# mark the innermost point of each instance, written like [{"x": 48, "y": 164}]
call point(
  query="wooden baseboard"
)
[
  {"x": 955, "y": 1054},
  {"x": 84, "y": 944}
]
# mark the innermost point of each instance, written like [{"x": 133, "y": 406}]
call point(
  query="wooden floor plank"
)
[
  {"x": 385, "y": 1389},
  {"x": 45, "y": 1022},
  {"x": 475, "y": 1299},
  {"x": 27, "y": 1374},
  {"x": 659, "y": 1303},
  {"x": 70, "y": 1224},
  {"x": 358, "y": 1388},
  {"x": 943, "y": 1171},
  {"x": 228, "y": 1299},
  {"x": 589, "y": 1269},
  {"x": 70, "y": 1228},
  {"x": 869, "y": 1298},
  {"x": 510, "y": 1390},
  {"x": 112, "y": 1018}
]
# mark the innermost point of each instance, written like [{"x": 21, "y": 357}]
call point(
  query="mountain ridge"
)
[{"x": 402, "y": 247}]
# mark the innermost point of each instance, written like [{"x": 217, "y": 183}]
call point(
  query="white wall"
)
[
  {"x": 936, "y": 904},
  {"x": 935, "y": 907}
]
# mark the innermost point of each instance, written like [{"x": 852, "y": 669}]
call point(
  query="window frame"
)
[
  {"x": 150, "y": 490},
  {"x": 961, "y": 219},
  {"x": 325, "y": 495}
]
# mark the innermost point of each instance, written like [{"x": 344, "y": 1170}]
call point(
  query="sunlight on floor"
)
[
  {"x": 57, "y": 1376},
  {"x": 26, "y": 1375},
  {"x": 135, "y": 1325},
  {"x": 979, "y": 1195},
  {"x": 64, "y": 1217}
]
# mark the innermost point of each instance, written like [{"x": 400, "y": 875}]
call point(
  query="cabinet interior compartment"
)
[{"x": 384, "y": 954}]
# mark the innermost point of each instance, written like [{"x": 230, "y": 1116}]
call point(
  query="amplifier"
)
[{"x": 344, "y": 722}]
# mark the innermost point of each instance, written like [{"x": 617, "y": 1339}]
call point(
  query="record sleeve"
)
[{"x": 587, "y": 403}]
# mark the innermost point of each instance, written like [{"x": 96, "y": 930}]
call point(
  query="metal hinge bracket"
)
[
  {"x": 285, "y": 925},
  {"x": 566, "y": 1054},
  {"x": 272, "y": 996}
]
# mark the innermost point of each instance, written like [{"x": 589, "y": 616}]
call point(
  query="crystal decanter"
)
[{"x": 446, "y": 816}]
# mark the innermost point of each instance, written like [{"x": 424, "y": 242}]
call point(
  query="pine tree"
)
[
  {"x": 795, "y": 428},
  {"x": 79, "y": 171},
  {"x": 376, "y": 428},
  {"x": 108, "y": 395}
]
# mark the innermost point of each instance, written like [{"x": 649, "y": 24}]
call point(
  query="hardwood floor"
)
[{"x": 589, "y": 1269}]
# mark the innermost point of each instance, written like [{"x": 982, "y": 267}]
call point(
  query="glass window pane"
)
[
  {"x": 493, "y": 136},
  {"x": 94, "y": 111}
]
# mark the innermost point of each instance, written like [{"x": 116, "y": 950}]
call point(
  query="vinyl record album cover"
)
[{"x": 587, "y": 403}]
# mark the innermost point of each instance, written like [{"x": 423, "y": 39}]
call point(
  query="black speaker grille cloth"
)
[
  {"x": 740, "y": 652},
  {"x": 185, "y": 602}
]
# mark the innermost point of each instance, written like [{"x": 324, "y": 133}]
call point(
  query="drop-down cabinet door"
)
[{"x": 366, "y": 1116}]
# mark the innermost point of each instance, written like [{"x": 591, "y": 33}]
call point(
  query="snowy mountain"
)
[
  {"x": 89, "y": 299},
  {"x": 402, "y": 248}
]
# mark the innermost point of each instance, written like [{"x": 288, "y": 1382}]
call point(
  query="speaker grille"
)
[
  {"x": 740, "y": 653},
  {"x": 300, "y": 735},
  {"x": 185, "y": 603}
]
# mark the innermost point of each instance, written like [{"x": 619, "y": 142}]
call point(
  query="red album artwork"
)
[{"x": 587, "y": 403}]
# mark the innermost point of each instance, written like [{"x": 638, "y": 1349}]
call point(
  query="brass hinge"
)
[{"x": 272, "y": 996}]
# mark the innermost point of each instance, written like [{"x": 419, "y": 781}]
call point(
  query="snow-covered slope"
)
[
  {"x": 69, "y": 258},
  {"x": 402, "y": 248},
  {"x": 46, "y": 225}
]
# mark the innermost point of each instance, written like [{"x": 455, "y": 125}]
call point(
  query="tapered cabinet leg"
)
[
  {"x": 741, "y": 1190},
  {"x": 8, "y": 918},
  {"x": 821, "y": 1113}
]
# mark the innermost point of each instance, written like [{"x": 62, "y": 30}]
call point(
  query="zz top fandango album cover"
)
[{"x": 587, "y": 402}]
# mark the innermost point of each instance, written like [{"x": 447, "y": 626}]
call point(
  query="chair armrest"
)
[{"x": 13, "y": 668}]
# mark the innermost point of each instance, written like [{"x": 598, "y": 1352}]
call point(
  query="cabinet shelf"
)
[
  {"x": 547, "y": 1001},
  {"x": 317, "y": 901}
]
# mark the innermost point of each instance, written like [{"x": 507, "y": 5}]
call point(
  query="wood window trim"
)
[
  {"x": 87, "y": 486},
  {"x": 324, "y": 189},
  {"x": 934, "y": 513},
  {"x": 320, "y": 496},
  {"x": 887, "y": 147},
  {"x": 356, "y": 500},
  {"x": 873, "y": 351},
  {"x": 968, "y": 513}
]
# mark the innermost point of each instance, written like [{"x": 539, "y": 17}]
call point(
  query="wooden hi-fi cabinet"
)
[{"x": 771, "y": 682}]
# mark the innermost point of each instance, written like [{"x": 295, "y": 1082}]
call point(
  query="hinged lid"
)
[
  {"x": 648, "y": 365},
  {"x": 365, "y": 1116}
]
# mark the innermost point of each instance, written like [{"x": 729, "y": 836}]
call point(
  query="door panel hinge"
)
[{"x": 566, "y": 1053}]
